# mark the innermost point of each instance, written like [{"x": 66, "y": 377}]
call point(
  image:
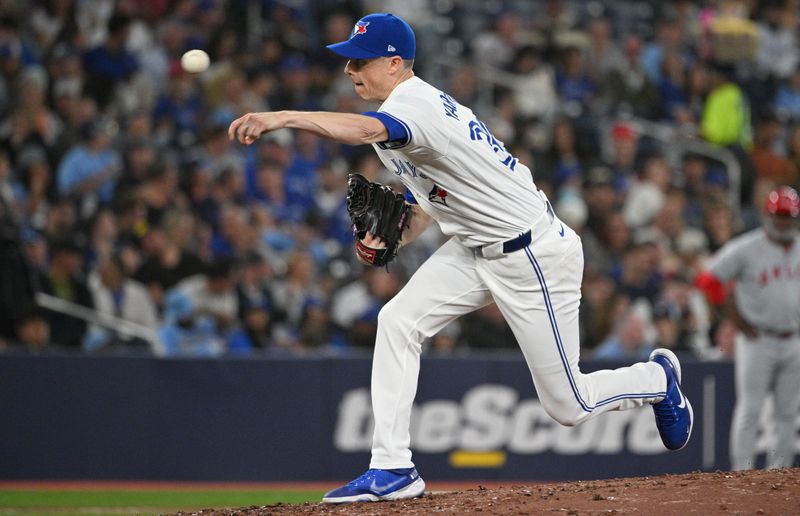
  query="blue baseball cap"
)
[{"x": 378, "y": 35}]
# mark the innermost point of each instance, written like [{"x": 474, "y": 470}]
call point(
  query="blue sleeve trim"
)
[
  {"x": 410, "y": 199},
  {"x": 399, "y": 132}
]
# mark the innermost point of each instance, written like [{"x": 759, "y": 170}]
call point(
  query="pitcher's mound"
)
[{"x": 745, "y": 492}]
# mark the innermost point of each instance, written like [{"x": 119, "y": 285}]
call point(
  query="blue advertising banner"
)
[{"x": 476, "y": 417}]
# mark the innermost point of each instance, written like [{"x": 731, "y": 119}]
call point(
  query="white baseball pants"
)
[
  {"x": 538, "y": 291},
  {"x": 762, "y": 365}
]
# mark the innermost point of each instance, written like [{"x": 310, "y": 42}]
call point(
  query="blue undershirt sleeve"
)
[{"x": 399, "y": 132}]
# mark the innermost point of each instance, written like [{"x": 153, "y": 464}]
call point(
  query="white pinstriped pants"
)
[{"x": 537, "y": 289}]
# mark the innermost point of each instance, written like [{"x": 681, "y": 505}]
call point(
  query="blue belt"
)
[{"x": 515, "y": 244}]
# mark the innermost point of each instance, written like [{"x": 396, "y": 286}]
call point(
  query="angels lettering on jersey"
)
[{"x": 778, "y": 273}]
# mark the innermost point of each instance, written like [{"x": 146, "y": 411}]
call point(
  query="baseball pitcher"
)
[{"x": 507, "y": 247}]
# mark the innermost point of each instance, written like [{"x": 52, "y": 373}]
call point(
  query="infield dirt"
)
[{"x": 743, "y": 492}]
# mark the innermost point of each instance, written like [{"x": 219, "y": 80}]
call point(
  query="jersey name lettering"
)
[
  {"x": 479, "y": 132},
  {"x": 401, "y": 166},
  {"x": 450, "y": 108}
]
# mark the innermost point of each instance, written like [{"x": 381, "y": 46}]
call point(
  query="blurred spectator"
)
[
  {"x": 485, "y": 328},
  {"x": 639, "y": 274},
  {"x": 777, "y": 55},
  {"x": 17, "y": 279},
  {"x": 718, "y": 224},
  {"x": 355, "y": 307},
  {"x": 271, "y": 189},
  {"x": 315, "y": 325},
  {"x": 212, "y": 295},
  {"x": 64, "y": 280},
  {"x": 793, "y": 151},
  {"x": 628, "y": 88},
  {"x": 7, "y": 194},
  {"x": 647, "y": 195},
  {"x": 600, "y": 195},
  {"x": 103, "y": 235},
  {"x": 115, "y": 294},
  {"x": 667, "y": 323},
  {"x": 669, "y": 223},
  {"x": 787, "y": 101},
  {"x": 573, "y": 81},
  {"x": 598, "y": 303},
  {"x": 496, "y": 47},
  {"x": 31, "y": 121},
  {"x": 672, "y": 88},
  {"x": 688, "y": 312},
  {"x": 187, "y": 332},
  {"x": 178, "y": 113},
  {"x": 767, "y": 162},
  {"x": 697, "y": 86},
  {"x": 258, "y": 312},
  {"x": 608, "y": 244},
  {"x": 35, "y": 184},
  {"x": 628, "y": 340},
  {"x": 694, "y": 171},
  {"x": 217, "y": 154},
  {"x": 330, "y": 202},
  {"x": 533, "y": 85},
  {"x": 234, "y": 237},
  {"x": 603, "y": 53},
  {"x": 111, "y": 63},
  {"x": 90, "y": 170},
  {"x": 33, "y": 332},
  {"x": 726, "y": 122},
  {"x": 158, "y": 192},
  {"x": 254, "y": 332},
  {"x": 561, "y": 168},
  {"x": 668, "y": 40},
  {"x": 624, "y": 152}
]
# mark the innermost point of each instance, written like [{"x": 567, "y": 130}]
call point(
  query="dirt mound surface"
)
[{"x": 746, "y": 492}]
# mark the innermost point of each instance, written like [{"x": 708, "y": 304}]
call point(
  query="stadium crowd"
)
[{"x": 655, "y": 127}]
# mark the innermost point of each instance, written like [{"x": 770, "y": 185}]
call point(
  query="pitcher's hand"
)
[
  {"x": 249, "y": 127},
  {"x": 372, "y": 242}
]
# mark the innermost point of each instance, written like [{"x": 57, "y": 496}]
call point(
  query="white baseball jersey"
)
[
  {"x": 767, "y": 278},
  {"x": 455, "y": 169},
  {"x": 469, "y": 183}
]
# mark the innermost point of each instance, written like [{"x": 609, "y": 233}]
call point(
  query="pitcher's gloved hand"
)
[{"x": 376, "y": 210}]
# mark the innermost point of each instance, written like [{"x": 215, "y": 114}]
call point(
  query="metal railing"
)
[
  {"x": 104, "y": 320},
  {"x": 678, "y": 143}
]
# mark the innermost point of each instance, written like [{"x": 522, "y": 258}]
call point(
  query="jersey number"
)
[{"x": 479, "y": 132}]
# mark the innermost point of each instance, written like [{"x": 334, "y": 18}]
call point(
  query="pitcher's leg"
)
[
  {"x": 539, "y": 297},
  {"x": 444, "y": 288},
  {"x": 753, "y": 371},
  {"x": 787, "y": 405}
]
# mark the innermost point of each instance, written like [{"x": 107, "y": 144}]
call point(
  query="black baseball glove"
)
[{"x": 379, "y": 210}]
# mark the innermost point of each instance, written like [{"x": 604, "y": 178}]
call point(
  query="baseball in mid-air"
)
[{"x": 195, "y": 61}]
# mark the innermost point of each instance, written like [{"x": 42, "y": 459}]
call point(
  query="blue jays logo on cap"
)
[
  {"x": 360, "y": 28},
  {"x": 388, "y": 35}
]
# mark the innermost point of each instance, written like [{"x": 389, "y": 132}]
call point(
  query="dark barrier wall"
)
[{"x": 309, "y": 419}]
